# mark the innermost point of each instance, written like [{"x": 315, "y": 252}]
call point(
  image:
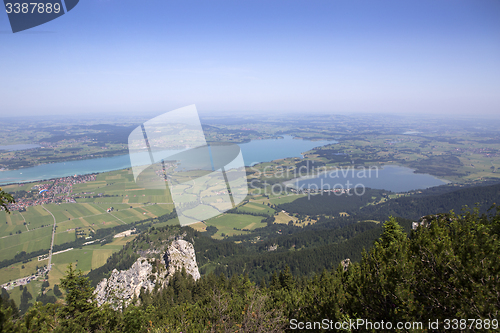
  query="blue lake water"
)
[
  {"x": 390, "y": 177},
  {"x": 253, "y": 152}
]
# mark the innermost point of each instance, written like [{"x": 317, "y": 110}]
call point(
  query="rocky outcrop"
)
[
  {"x": 345, "y": 263},
  {"x": 123, "y": 286},
  {"x": 146, "y": 273},
  {"x": 180, "y": 254},
  {"x": 272, "y": 248}
]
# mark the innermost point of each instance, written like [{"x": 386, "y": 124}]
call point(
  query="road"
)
[{"x": 53, "y": 234}]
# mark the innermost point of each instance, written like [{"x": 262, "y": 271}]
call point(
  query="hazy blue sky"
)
[{"x": 241, "y": 55}]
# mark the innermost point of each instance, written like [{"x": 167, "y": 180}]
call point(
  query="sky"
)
[{"x": 230, "y": 56}]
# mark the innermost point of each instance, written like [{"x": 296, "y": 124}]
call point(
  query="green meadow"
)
[
  {"x": 259, "y": 207},
  {"x": 227, "y": 222}
]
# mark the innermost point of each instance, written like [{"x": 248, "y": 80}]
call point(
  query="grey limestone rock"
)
[{"x": 123, "y": 286}]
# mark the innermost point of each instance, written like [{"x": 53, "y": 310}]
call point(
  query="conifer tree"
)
[
  {"x": 380, "y": 287},
  {"x": 80, "y": 313}
]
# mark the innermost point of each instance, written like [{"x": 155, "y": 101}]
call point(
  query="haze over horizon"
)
[{"x": 391, "y": 57}]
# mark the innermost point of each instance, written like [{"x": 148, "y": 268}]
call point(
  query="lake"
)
[
  {"x": 390, "y": 177},
  {"x": 253, "y": 152}
]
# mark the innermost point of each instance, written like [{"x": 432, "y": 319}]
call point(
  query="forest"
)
[{"x": 409, "y": 207}]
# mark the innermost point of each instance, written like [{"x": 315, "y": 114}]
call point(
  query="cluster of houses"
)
[
  {"x": 41, "y": 272},
  {"x": 313, "y": 190},
  {"x": 51, "y": 192},
  {"x": 486, "y": 152}
]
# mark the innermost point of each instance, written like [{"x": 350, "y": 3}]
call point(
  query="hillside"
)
[
  {"x": 420, "y": 281},
  {"x": 310, "y": 236},
  {"x": 482, "y": 197},
  {"x": 410, "y": 207}
]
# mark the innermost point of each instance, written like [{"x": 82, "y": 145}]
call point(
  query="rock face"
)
[
  {"x": 123, "y": 286},
  {"x": 345, "y": 263},
  {"x": 181, "y": 254}
]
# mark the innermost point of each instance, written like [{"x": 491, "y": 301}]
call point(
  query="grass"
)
[
  {"x": 373, "y": 221},
  {"x": 64, "y": 237},
  {"x": 16, "y": 271},
  {"x": 200, "y": 212},
  {"x": 200, "y": 226},
  {"x": 11, "y": 223},
  {"x": 227, "y": 222},
  {"x": 285, "y": 198},
  {"x": 27, "y": 241},
  {"x": 159, "y": 209},
  {"x": 254, "y": 207},
  {"x": 99, "y": 257},
  {"x": 82, "y": 258},
  {"x": 34, "y": 288},
  {"x": 284, "y": 218}
]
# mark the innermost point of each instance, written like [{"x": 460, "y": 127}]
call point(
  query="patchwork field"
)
[
  {"x": 89, "y": 257},
  {"x": 111, "y": 200}
]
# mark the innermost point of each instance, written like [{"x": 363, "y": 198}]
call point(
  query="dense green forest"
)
[
  {"x": 304, "y": 251},
  {"x": 482, "y": 197},
  {"x": 447, "y": 268}
]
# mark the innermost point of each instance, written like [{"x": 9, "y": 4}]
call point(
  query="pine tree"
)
[
  {"x": 380, "y": 287},
  {"x": 459, "y": 268},
  {"x": 81, "y": 312},
  {"x": 275, "y": 282},
  {"x": 286, "y": 279}
]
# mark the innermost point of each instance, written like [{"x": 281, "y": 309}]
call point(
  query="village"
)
[{"x": 59, "y": 190}]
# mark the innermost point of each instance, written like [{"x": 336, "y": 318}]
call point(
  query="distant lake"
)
[
  {"x": 391, "y": 178},
  {"x": 253, "y": 152},
  {"x": 19, "y": 147},
  {"x": 269, "y": 150}
]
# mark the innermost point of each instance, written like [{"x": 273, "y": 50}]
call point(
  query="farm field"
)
[
  {"x": 36, "y": 234},
  {"x": 28, "y": 241},
  {"x": 285, "y": 198},
  {"x": 227, "y": 222},
  {"x": 256, "y": 207},
  {"x": 113, "y": 199},
  {"x": 86, "y": 258}
]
